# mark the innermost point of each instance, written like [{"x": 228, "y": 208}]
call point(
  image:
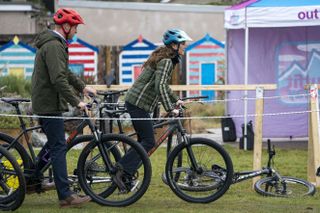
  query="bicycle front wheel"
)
[
  {"x": 287, "y": 187},
  {"x": 212, "y": 178},
  {"x": 12, "y": 182},
  {"x": 97, "y": 181}
]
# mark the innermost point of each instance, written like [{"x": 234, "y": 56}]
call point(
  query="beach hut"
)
[
  {"x": 205, "y": 64},
  {"x": 17, "y": 59},
  {"x": 131, "y": 58},
  {"x": 83, "y": 59}
]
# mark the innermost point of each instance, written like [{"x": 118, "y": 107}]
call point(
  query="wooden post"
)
[
  {"x": 108, "y": 61},
  {"x": 257, "y": 148},
  {"x": 314, "y": 142}
]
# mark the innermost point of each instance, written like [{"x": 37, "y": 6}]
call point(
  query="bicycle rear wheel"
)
[
  {"x": 213, "y": 177},
  {"x": 287, "y": 187},
  {"x": 17, "y": 151},
  {"x": 97, "y": 182},
  {"x": 12, "y": 182}
]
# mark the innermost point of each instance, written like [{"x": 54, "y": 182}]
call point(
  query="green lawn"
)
[{"x": 239, "y": 198}]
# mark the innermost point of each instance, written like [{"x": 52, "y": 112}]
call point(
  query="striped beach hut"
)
[
  {"x": 131, "y": 58},
  {"x": 205, "y": 64},
  {"x": 17, "y": 59},
  {"x": 83, "y": 59}
]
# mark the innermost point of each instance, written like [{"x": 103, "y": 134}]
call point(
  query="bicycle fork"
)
[
  {"x": 186, "y": 140},
  {"x": 103, "y": 152}
]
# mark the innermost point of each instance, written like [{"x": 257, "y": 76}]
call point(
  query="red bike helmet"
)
[{"x": 65, "y": 15}]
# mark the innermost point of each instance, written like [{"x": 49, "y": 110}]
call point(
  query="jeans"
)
[
  {"x": 54, "y": 130},
  {"x": 144, "y": 129}
]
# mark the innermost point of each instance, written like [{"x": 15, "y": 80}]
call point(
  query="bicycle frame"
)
[
  {"x": 86, "y": 122},
  {"x": 245, "y": 175}
]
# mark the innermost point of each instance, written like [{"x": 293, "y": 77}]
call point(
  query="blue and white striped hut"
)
[
  {"x": 205, "y": 64},
  {"x": 17, "y": 58},
  {"x": 131, "y": 58}
]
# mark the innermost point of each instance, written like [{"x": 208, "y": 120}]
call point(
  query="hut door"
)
[
  {"x": 17, "y": 71},
  {"x": 208, "y": 71},
  {"x": 136, "y": 71}
]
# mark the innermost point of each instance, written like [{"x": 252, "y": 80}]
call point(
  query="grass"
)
[{"x": 239, "y": 198}]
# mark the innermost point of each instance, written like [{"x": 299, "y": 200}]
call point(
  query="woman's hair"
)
[{"x": 159, "y": 54}]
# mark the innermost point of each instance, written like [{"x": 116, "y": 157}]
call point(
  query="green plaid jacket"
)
[{"x": 152, "y": 87}]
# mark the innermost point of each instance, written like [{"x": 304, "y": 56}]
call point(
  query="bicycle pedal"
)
[
  {"x": 217, "y": 167},
  {"x": 134, "y": 186}
]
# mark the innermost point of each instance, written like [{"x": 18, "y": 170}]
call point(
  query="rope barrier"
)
[
  {"x": 224, "y": 100},
  {"x": 173, "y": 118},
  {"x": 181, "y": 118}
]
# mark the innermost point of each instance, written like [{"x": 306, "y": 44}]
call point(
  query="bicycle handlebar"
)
[
  {"x": 194, "y": 97},
  {"x": 110, "y": 93}
]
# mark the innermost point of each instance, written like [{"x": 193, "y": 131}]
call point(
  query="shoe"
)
[
  {"x": 47, "y": 186},
  {"x": 124, "y": 181},
  {"x": 40, "y": 187},
  {"x": 74, "y": 200}
]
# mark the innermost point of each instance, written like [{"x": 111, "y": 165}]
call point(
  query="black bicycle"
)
[
  {"x": 97, "y": 163},
  {"x": 274, "y": 184},
  {"x": 189, "y": 160},
  {"x": 12, "y": 182}
]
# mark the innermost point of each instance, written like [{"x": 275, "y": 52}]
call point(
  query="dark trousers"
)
[
  {"x": 144, "y": 130},
  {"x": 54, "y": 130}
]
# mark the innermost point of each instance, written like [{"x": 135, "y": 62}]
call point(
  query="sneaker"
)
[
  {"x": 130, "y": 182},
  {"x": 124, "y": 181},
  {"x": 40, "y": 187},
  {"x": 46, "y": 185},
  {"x": 74, "y": 200}
]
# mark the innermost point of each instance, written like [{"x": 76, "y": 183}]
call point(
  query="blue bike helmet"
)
[{"x": 175, "y": 36}]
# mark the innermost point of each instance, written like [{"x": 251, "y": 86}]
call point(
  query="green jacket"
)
[
  {"x": 53, "y": 83},
  {"x": 152, "y": 86}
]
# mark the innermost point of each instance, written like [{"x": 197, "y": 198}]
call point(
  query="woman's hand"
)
[
  {"x": 180, "y": 103},
  {"x": 175, "y": 112}
]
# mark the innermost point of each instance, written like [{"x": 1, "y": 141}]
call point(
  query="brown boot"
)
[{"x": 74, "y": 200}]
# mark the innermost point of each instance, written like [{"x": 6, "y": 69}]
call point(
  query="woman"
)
[{"x": 151, "y": 87}]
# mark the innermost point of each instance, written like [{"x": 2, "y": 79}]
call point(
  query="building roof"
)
[
  {"x": 143, "y": 6},
  {"x": 17, "y": 7}
]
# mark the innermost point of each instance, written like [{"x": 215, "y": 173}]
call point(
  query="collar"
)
[{"x": 56, "y": 32}]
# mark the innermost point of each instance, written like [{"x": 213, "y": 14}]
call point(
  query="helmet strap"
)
[{"x": 66, "y": 32}]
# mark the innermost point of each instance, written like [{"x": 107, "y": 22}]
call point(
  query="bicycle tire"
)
[
  {"x": 295, "y": 187},
  {"x": 12, "y": 182},
  {"x": 108, "y": 194},
  {"x": 210, "y": 182}
]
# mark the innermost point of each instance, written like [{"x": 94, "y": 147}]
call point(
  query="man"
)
[{"x": 53, "y": 86}]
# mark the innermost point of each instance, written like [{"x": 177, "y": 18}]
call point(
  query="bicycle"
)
[
  {"x": 188, "y": 169},
  {"x": 274, "y": 184},
  {"x": 109, "y": 152},
  {"x": 12, "y": 182}
]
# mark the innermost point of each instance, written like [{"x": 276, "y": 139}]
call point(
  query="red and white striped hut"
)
[
  {"x": 83, "y": 59},
  {"x": 205, "y": 64}
]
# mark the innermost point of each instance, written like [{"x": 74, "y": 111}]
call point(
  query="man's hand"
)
[
  {"x": 87, "y": 90},
  {"x": 82, "y": 105}
]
